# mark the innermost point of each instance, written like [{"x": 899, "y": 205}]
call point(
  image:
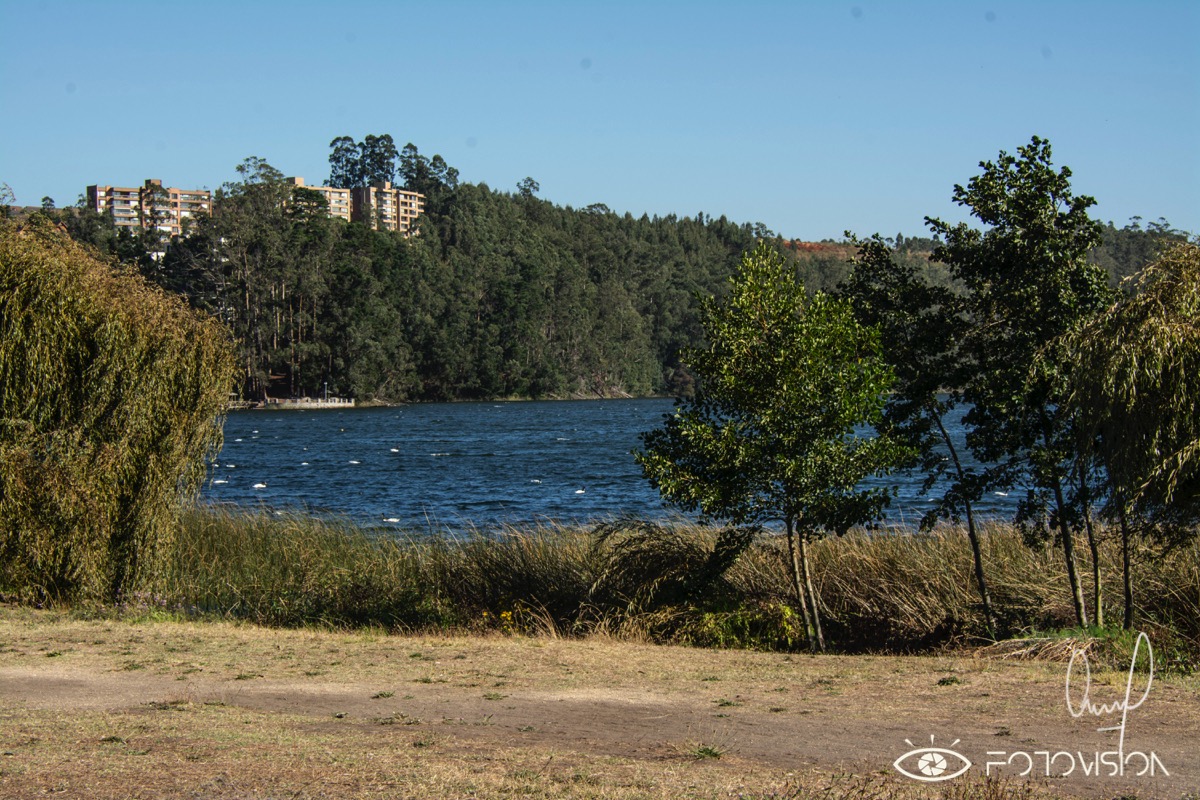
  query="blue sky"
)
[{"x": 811, "y": 117}]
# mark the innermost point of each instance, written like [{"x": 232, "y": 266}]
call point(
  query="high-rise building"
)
[
  {"x": 383, "y": 207},
  {"x": 338, "y": 199},
  {"x": 151, "y": 205}
]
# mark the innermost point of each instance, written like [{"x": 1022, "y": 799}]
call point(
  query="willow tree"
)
[
  {"x": 1134, "y": 388},
  {"x": 769, "y": 436},
  {"x": 111, "y": 394}
]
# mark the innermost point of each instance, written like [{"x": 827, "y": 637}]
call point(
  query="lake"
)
[{"x": 461, "y": 465}]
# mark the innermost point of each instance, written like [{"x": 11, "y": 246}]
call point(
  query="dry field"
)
[{"x": 156, "y": 709}]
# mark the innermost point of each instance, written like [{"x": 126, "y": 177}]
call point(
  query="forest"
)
[{"x": 499, "y": 295}]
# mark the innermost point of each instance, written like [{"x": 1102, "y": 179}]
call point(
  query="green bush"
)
[
  {"x": 759, "y": 626},
  {"x": 111, "y": 395}
]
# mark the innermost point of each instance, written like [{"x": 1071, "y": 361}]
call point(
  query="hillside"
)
[{"x": 501, "y": 294}]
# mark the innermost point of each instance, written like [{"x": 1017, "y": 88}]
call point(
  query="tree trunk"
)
[
  {"x": 1127, "y": 578},
  {"x": 1093, "y": 546},
  {"x": 798, "y": 585},
  {"x": 814, "y": 607},
  {"x": 989, "y": 618},
  {"x": 1081, "y": 617},
  {"x": 1069, "y": 552}
]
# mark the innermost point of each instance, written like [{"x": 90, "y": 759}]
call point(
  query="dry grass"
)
[
  {"x": 880, "y": 592},
  {"x": 225, "y": 710}
]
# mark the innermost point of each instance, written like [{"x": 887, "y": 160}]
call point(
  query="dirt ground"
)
[{"x": 150, "y": 709}]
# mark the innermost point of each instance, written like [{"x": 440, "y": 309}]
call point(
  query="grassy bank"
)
[{"x": 882, "y": 593}]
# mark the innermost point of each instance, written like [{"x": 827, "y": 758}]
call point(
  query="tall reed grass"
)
[{"x": 894, "y": 592}]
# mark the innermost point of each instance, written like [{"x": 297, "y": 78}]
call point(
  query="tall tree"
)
[
  {"x": 414, "y": 169},
  {"x": 922, "y": 325},
  {"x": 1028, "y": 281},
  {"x": 443, "y": 173},
  {"x": 377, "y": 155},
  {"x": 430, "y": 177},
  {"x": 345, "y": 165},
  {"x": 528, "y": 188},
  {"x": 770, "y": 434}
]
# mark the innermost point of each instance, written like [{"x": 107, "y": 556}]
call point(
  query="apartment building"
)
[
  {"x": 338, "y": 199},
  {"x": 150, "y": 205},
  {"x": 383, "y": 207}
]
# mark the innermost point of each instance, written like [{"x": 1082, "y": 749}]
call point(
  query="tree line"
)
[
  {"x": 1079, "y": 389},
  {"x": 1079, "y": 394},
  {"x": 500, "y": 294}
]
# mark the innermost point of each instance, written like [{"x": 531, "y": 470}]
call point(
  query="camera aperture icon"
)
[{"x": 931, "y": 763}]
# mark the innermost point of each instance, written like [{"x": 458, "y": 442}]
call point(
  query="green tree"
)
[
  {"x": 430, "y": 177},
  {"x": 308, "y": 203},
  {"x": 1133, "y": 390},
  {"x": 770, "y": 435},
  {"x": 528, "y": 188},
  {"x": 443, "y": 173},
  {"x": 1028, "y": 281},
  {"x": 89, "y": 226},
  {"x": 353, "y": 164},
  {"x": 1126, "y": 251},
  {"x": 499, "y": 296},
  {"x": 378, "y": 157},
  {"x": 345, "y": 166},
  {"x": 922, "y": 325}
]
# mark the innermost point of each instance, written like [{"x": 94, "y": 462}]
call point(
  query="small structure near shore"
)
[
  {"x": 304, "y": 403},
  {"x": 291, "y": 403}
]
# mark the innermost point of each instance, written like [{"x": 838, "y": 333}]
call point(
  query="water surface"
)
[{"x": 462, "y": 465}]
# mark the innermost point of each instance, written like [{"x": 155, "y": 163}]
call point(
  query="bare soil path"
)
[{"x": 117, "y": 709}]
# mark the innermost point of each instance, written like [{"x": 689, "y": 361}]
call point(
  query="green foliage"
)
[
  {"x": 1125, "y": 251},
  {"x": 769, "y": 436},
  {"x": 1028, "y": 281},
  {"x": 923, "y": 325},
  {"x": 1063, "y": 393},
  {"x": 1134, "y": 386},
  {"x": 432, "y": 177},
  {"x": 353, "y": 164},
  {"x": 111, "y": 394},
  {"x": 499, "y": 295},
  {"x": 757, "y": 626}
]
